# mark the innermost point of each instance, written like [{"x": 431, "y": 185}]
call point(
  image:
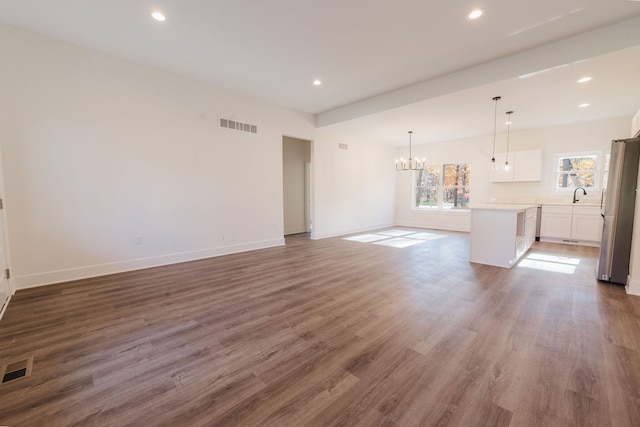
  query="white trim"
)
[
  {"x": 632, "y": 287},
  {"x": 4, "y": 309},
  {"x": 431, "y": 226},
  {"x": 51, "y": 277},
  {"x": 573, "y": 242},
  {"x": 454, "y": 211},
  {"x": 342, "y": 232},
  {"x": 440, "y": 187},
  {"x": 295, "y": 230},
  {"x": 597, "y": 178}
]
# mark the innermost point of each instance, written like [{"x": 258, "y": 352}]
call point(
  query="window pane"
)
[
  {"x": 444, "y": 186},
  {"x": 577, "y": 164},
  {"x": 426, "y": 197},
  {"x": 429, "y": 177},
  {"x": 573, "y": 180},
  {"x": 455, "y": 197},
  {"x": 457, "y": 174}
]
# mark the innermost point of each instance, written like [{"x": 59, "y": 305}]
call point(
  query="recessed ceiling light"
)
[
  {"x": 585, "y": 105},
  {"x": 317, "y": 82},
  {"x": 584, "y": 79},
  {"x": 475, "y": 14},
  {"x": 158, "y": 16}
]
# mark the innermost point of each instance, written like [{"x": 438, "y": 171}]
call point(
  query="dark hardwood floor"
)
[{"x": 330, "y": 332}]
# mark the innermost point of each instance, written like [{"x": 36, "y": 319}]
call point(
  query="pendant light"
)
[
  {"x": 410, "y": 163},
  {"x": 495, "y": 124},
  {"x": 506, "y": 160}
]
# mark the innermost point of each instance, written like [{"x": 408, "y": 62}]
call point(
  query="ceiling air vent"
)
[{"x": 239, "y": 126}]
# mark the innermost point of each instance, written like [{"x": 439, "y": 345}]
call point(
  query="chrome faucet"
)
[{"x": 584, "y": 193}]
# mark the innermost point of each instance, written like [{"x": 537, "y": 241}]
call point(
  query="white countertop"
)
[{"x": 502, "y": 207}]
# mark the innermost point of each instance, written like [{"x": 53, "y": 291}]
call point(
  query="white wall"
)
[
  {"x": 98, "y": 150},
  {"x": 586, "y": 136},
  {"x": 296, "y": 153},
  {"x": 354, "y": 189},
  {"x": 101, "y": 153}
]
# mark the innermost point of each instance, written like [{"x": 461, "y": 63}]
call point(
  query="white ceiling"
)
[{"x": 386, "y": 66}]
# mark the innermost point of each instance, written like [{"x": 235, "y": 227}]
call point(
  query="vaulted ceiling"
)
[{"x": 385, "y": 66}]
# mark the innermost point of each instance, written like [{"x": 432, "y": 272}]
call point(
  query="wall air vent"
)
[{"x": 236, "y": 125}]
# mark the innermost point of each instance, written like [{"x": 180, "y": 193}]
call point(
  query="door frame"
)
[
  {"x": 5, "y": 242},
  {"x": 309, "y": 196}
]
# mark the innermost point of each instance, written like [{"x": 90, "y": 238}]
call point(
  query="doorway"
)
[{"x": 296, "y": 185}]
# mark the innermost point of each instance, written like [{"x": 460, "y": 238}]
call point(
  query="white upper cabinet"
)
[
  {"x": 528, "y": 165},
  {"x": 524, "y": 166}
]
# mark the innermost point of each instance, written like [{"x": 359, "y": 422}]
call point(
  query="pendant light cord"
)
[
  {"x": 509, "y": 113},
  {"x": 495, "y": 125}
]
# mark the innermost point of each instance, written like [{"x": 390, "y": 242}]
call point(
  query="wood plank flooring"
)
[{"x": 330, "y": 332}]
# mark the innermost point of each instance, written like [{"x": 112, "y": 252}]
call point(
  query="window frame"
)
[
  {"x": 596, "y": 172},
  {"x": 440, "y": 189},
  {"x": 438, "y": 186}
]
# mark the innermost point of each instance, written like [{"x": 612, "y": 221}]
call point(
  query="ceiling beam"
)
[{"x": 586, "y": 45}]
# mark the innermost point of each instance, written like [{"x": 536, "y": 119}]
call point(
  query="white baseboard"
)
[
  {"x": 572, "y": 242},
  {"x": 51, "y": 277},
  {"x": 294, "y": 230},
  {"x": 435, "y": 226},
  {"x": 342, "y": 232},
  {"x": 437, "y": 219},
  {"x": 633, "y": 287},
  {"x": 6, "y": 305}
]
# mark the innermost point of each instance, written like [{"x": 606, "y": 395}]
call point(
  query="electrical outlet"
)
[{"x": 138, "y": 239}]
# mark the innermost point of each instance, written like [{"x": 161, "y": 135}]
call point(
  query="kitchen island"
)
[{"x": 501, "y": 233}]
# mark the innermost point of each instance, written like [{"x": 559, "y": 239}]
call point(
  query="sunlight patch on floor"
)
[
  {"x": 399, "y": 242},
  {"x": 427, "y": 236},
  {"x": 553, "y": 263},
  {"x": 395, "y": 233},
  {"x": 395, "y": 238},
  {"x": 366, "y": 238}
]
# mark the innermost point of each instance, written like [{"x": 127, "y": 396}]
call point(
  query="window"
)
[
  {"x": 576, "y": 170},
  {"x": 427, "y": 185},
  {"x": 443, "y": 186}
]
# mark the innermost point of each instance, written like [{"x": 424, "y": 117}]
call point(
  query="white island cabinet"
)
[{"x": 501, "y": 234}]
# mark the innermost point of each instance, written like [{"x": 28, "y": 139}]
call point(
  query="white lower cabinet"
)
[
  {"x": 581, "y": 225},
  {"x": 556, "y": 222}
]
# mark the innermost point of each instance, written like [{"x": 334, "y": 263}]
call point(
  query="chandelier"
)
[{"x": 410, "y": 163}]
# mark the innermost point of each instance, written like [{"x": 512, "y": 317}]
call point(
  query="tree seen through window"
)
[
  {"x": 576, "y": 171},
  {"x": 443, "y": 186}
]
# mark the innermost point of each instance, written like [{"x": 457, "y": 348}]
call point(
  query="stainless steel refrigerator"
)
[{"x": 618, "y": 208}]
